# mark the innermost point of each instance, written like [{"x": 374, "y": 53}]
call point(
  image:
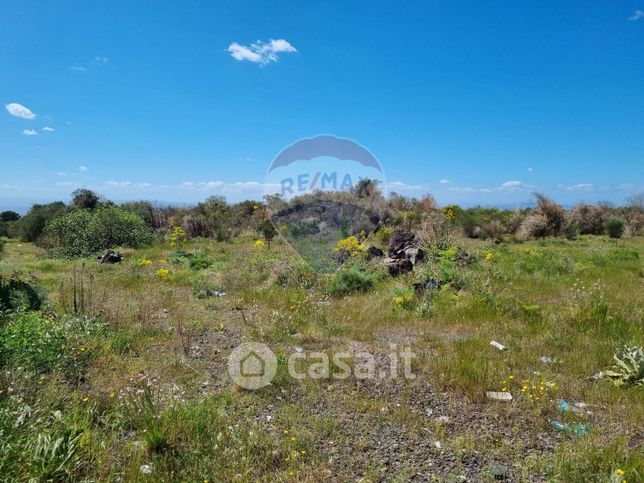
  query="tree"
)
[
  {"x": 85, "y": 199},
  {"x": 9, "y": 216},
  {"x": 268, "y": 231},
  {"x": 84, "y": 232},
  {"x": 366, "y": 187},
  {"x": 31, "y": 225}
]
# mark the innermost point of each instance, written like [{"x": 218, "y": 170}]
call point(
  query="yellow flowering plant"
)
[
  {"x": 164, "y": 275},
  {"x": 144, "y": 262}
]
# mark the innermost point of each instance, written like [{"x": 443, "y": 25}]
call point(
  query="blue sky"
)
[{"x": 474, "y": 102}]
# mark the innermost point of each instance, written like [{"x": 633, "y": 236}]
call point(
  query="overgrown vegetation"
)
[{"x": 118, "y": 372}]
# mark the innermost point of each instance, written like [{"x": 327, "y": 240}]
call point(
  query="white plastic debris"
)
[
  {"x": 299, "y": 350},
  {"x": 437, "y": 445},
  {"x": 499, "y": 395},
  {"x": 429, "y": 412},
  {"x": 545, "y": 360},
  {"x": 498, "y": 345},
  {"x": 442, "y": 419},
  {"x": 145, "y": 469}
]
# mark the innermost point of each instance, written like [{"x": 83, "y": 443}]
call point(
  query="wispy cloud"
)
[
  {"x": 100, "y": 60},
  {"x": 444, "y": 181},
  {"x": 48, "y": 129},
  {"x": 637, "y": 15},
  {"x": 29, "y": 132},
  {"x": 581, "y": 187},
  {"x": 402, "y": 186},
  {"x": 514, "y": 186},
  {"x": 18, "y": 110},
  {"x": 260, "y": 52},
  {"x": 84, "y": 169},
  {"x": 466, "y": 189},
  {"x": 78, "y": 68},
  {"x": 127, "y": 184}
]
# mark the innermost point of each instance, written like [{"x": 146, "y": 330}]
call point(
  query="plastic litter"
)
[
  {"x": 299, "y": 350},
  {"x": 576, "y": 407},
  {"x": 437, "y": 445},
  {"x": 499, "y": 395},
  {"x": 498, "y": 345},
  {"x": 546, "y": 360},
  {"x": 575, "y": 428}
]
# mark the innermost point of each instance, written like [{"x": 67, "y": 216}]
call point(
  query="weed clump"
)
[{"x": 353, "y": 279}]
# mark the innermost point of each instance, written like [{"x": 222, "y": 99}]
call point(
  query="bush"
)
[
  {"x": 494, "y": 230},
  {"x": 354, "y": 279},
  {"x": 17, "y": 293},
  {"x": 589, "y": 219},
  {"x": 547, "y": 219},
  {"x": 31, "y": 226},
  {"x": 615, "y": 228},
  {"x": 82, "y": 232},
  {"x": 535, "y": 225}
]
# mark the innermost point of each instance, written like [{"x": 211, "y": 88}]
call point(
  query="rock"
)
[
  {"x": 403, "y": 251},
  {"x": 430, "y": 284},
  {"x": 398, "y": 267},
  {"x": 400, "y": 240},
  {"x": 374, "y": 252},
  {"x": 110, "y": 257}
]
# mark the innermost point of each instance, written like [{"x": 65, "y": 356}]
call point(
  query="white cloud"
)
[
  {"x": 29, "y": 132},
  {"x": 78, "y": 68},
  {"x": 444, "y": 181},
  {"x": 529, "y": 170},
  {"x": 48, "y": 129},
  {"x": 581, "y": 187},
  {"x": 401, "y": 186},
  {"x": 66, "y": 183},
  {"x": 260, "y": 52},
  {"x": 637, "y": 14},
  {"x": 466, "y": 189},
  {"x": 100, "y": 60},
  {"x": 514, "y": 186},
  {"x": 19, "y": 110},
  {"x": 83, "y": 169},
  {"x": 236, "y": 187},
  {"x": 127, "y": 184}
]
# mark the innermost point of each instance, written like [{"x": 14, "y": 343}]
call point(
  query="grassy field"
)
[{"x": 123, "y": 373}]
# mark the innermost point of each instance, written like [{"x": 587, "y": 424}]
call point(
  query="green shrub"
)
[
  {"x": 40, "y": 343},
  {"x": 614, "y": 227},
  {"x": 83, "y": 232},
  {"x": 628, "y": 368},
  {"x": 18, "y": 293},
  {"x": 354, "y": 279},
  {"x": 31, "y": 226},
  {"x": 200, "y": 262}
]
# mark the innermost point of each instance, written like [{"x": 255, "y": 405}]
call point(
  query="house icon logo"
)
[{"x": 252, "y": 365}]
